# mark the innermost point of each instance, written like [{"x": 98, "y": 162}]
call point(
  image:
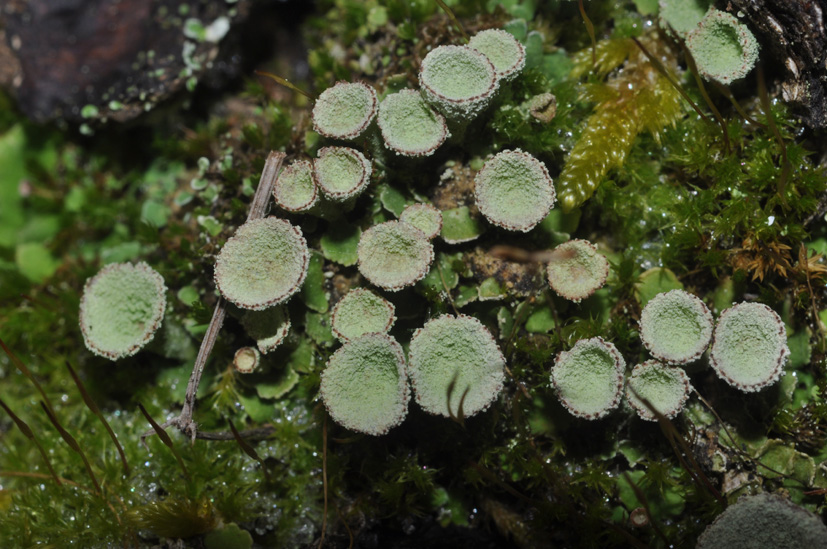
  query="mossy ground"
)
[{"x": 728, "y": 216}]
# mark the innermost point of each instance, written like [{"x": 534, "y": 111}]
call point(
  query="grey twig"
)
[{"x": 258, "y": 208}]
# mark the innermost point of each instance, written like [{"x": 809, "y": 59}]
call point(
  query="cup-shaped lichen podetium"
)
[
  {"x": 424, "y": 217},
  {"x": 589, "y": 378},
  {"x": 361, "y": 312},
  {"x": 393, "y": 255},
  {"x": 268, "y": 327},
  {"x": 676, "y": 327},
  {"x": 121, "y": 309},
  {"x": 666, "y": 388},
  {"x": 459, "y": 81},
  {"x": 365, "y": 385},
  {"x": 263, "y": 264},
  {"x": 503, "y": 50},
  {"x": 455, "y": 357},
  {"x": 295, "y": 189},
  {"x": 576, "y": 270},
  {"x": 409, "y": 126},
  {"x": 341, "y": 172},
  {"x": 514, "y": 191},
  {"x": 764, "y": 520},
  {"x": 246, "y": 360},
  {"x": 344, "y": 110},
  {"x": 724, "y": 49},
  {"x": 749, "y": 346}
]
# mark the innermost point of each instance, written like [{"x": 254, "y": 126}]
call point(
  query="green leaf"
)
[
  {"x": 155, "y": 213},
  {"x": 490, "y": 289},
  {"x": 392, "y": 200},
  {"x": 458, "y": 226},
  {"x": 540, "y": 321},
  {"x": 228, "y": 537},
  {"x": 12, "y": 148},
  {"x": 341, "y": 242},
  {"x": 278, "y": 387},
  {"x": 35, "y": 261},
  {"x": 655, "y": 281},
  {"x": 313, "y": 292},
  {"x": 317, "y": 327},
  {"x": 301, "y": 358}
]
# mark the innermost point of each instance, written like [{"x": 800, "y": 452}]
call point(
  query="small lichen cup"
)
[
  {"x": 121, "y": 308},
  {"x": 409, "y": 127},
  {"x": 393, "y": 255},
  {"x": 503, "y": 50},
  {"x": 666, "y": 388},
  {"x": 345, "y": 110},
  {"x": 576, "y": 270},
  {"x": 295, "y": 189},
  {"x": 341, "y": 173},
  {"x": 589, "y": 378},
  {"x": 361, "y": 312},
  {"x": 676, "y": 327},
  {"x": 458, "y": 81},
  {"x": 424, "y": 217},
  {"x": 723, "y": 48}
]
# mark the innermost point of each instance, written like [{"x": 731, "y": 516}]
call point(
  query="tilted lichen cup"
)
[
  {"x": 456, "y": 355},
  {"x": 676, "y": 327},
  {"x": 666, "y": 388},
  {"x": 589, "y": 378},
  {"x": 424, "y": 217},
  {"x": 514, "y": 191},
  {"x": 341, "y": 173},
  {"x": 393, "y": 255},
  {"x": 409, "y": 126},
  {"x": 263, "y": 264},
  {"x": 361, "y": 312},
  {"x": 576, "y": 270},
  {"x": 268, "y": 327},
  {"x": 344, "y": 110},
  {"x": 246, "y": 360},
  {"x": 121, "y": 309},
  {"x": 723, "y": 48},
  {"x": 365, "y": 385},
  {"x": 749, "y": 346},
  {"x": 295, "y": 189},
  {"x": 503, "y": 50},
  {"x": 459, "y": 81}
]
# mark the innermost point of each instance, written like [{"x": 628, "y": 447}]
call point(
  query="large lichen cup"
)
[
  {"x": 121, "y": 308},
  {"x": 503, "y": 50},
  {"x": 676, "y": 327},
  {"x": 724, "y": 49},
  {"x": 576, "y": 270},
  {"x": 263, "y": 264},
  {"x": 365, "y": 385},
  {"x": 589, "y": 378},
  {"x": 409, "y": 126},
  {"x": 393, "y": 255},
  {"x": 456, "y": 367},
  {"x": 344, "y": 110},
  {"x": 666, "y": 388},
  {"x": 749, "y": 346},
  {"x": 458, "y": 81},
  {"x": 514, "y": 191}
]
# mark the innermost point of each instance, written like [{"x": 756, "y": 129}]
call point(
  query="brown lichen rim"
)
[
  {"x": 365, "y": 123},
  {"x": 642, "y": 411},
  {"x": 256, "y": 360},
  {"x": 600, "y": 280},
  {"x": 703, "y": 312},
  {"x": 444, "y": 134},
  {"x": 361, "y": 185},
  {"x": 395, "y": 287},
  {"x": 773, "y": 375},
  {"x": 515, "y": 67},
  {"x": 412, "y": 355},
  {"x": 482, "y": 205},
  {"x": 421, "y": 205},
  {"x": 301, "y": 242},
  {"x": 404, "y": 389},
  {"x": 484, "y": 96},
  {"x": 157, "y": 317},
  {"x": 391, "y": 310},
  {"x": 620, "y": 366},
  {"x": 289, "y": 170}
]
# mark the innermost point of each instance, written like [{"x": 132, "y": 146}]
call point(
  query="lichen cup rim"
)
[
  {"x": 292, "y": 170},
  {"x": 618, "y": 365},
  {"x": 387, "y": 131},
  {"x": 376, "y": 275},
  {"x": 515, "y": 67},
  {"x": 639, "y": 406},
  {"x": 356, "y": 293},
  {"x": 648, "y": 323},
  {"x": 461, "y": 102},
  {"x": 356, "y": 132},
  {"x": 321, "y": 180}
]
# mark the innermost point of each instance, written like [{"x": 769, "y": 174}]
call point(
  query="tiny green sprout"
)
[
  {"x": 749, "y": 346},
  {"x": 724, "y": 49},
  {"x": 361, "y": 312},
  {"x": 295, "y": 189},
  {"x": 682, "y": 16},
  {"x": 503, "y": 50},
  {"x": 576, "y": 270},
  {"x": 246, "y": 360},
  {"x": 341, "y": 172},
  {"x": 263, "y": 264},
  {"x": 268, "y": 327},
  {"x": 589, "y": 378},
  {"x": 121, "y": 309},
  {"x": 344, "y": 110},
  {"x": 409, "y": 126},
  {"x": 456, "y": 358},
  {"x": 424, "y": 217},
  {"x": 365, "y": 385},
  {"x": 665, "y": 387},
  {"x": 676, "y": 327},
  {"x": 393, "y": 255},
  {"x": 514, "y": 191},
  {"x": 459, "y": 81},
  {"x": 764, "y": 520}
]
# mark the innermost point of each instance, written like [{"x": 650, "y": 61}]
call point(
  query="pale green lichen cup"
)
[
  {"x": 666, "y": 388},
  {"x": 121, "y": 309},
  {"x": 361, "y": 312},
  {"x": 676, "y": 327},
  {"x": 295, "y": 189},
  {"x": 576, "y": 270},
  {"x": 589, "y": 378},
  {"x": 503, "y": 50},
  {"x": 458, "y": 81},
  {"x": 345, "y": 110},
  {"x": 424, "y": 217},
  {"x": 341, "y": 173},
  {"x": 409, "y": 126},
  {"x": 393, "y": 255},
  {"x": 724, "y": 49}
]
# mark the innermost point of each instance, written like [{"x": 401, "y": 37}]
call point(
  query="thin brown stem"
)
[{"x": 324, "y": 478}]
